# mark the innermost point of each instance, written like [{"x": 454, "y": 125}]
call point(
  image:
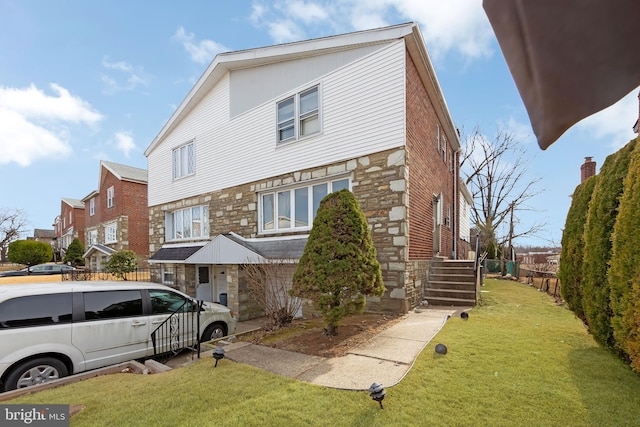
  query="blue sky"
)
[{"x": 85, "y": 81}]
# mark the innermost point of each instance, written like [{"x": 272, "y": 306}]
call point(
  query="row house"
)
[
  {"x": 238, "y": 171},
  {"x": 69, "y": 224},
  {"x": 116, "y": 215}
]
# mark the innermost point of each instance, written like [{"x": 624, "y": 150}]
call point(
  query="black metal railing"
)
[{"x": 179, "y": 332}]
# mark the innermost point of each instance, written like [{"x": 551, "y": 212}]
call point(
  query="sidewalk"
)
[{"x": 385, "y": 359}]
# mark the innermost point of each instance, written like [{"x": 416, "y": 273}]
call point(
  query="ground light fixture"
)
[
  {"x": 441, "y": 349},
  {"x": 218, "y": 354},
  {"x": 464, "y": 315},
  {"x": 376, "y": 391}
]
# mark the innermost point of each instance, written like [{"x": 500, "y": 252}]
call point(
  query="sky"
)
[{"x": 86, "y": 81}]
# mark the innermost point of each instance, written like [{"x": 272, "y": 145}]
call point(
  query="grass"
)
[{"x": 519, "y": 360}]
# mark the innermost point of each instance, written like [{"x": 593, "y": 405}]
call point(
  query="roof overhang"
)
[
  {"x": 175, "y": 253},
  {"x": 569, "y": 58},
  {"x": 98, "y": 248},
  {"x": 223, "y": 250}
]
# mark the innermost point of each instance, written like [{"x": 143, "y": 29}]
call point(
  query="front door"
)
[
  {"x": 204, "y": 290},
  {"x": 220, "y": 284}
]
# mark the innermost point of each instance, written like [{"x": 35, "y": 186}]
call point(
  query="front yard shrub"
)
[
  {"x": 571, "y": 257},
  {"x": 120, "y": 263},
  {"x": 624, "y": 273},
  {"x": 338, "y": 267},
  {"x": 603, "y": 210},
  {"x": 29, "y": 252},
  {"x": 74, "y": 253}
]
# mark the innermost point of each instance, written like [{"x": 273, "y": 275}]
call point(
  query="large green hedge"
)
[
  {"x": 572, "y": 255},
  {"x": 624, "y": 273},
  {"x": 601, "y": 218}
]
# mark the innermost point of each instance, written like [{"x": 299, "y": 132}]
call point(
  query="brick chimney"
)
[{"x": 588, "y": 169}]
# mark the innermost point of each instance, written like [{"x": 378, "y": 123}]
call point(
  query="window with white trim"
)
[
  {"x": 298, "y": 115},
  {"x": 70, "y": 217},
  {"x": 168, "y": 274},
  {"x": 92, "y": 206},
  {"x": 92, "y": 237},
  {"x": 110, "y": 197},
  {"x": 187, "y": 223},
  {"x": 444, "y": 149},
  {"x": 183, "y": 161},
  {"x": 293, "y": 209},
  {"x": 110, "y": 233}
]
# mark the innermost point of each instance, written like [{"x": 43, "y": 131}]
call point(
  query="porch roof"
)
[
  {"x": 175, "y": 254},
  {"x": 230, "y": 248},
  {"x": 98, "y": 248}
]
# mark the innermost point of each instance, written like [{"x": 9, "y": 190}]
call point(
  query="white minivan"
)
[{"x": 51, "y": 330}]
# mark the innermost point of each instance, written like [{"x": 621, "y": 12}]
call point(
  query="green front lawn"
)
[{"x": 518, "y": 360}]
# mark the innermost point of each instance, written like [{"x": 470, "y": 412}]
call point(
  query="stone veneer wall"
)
[{"x": 379, "y": 182}]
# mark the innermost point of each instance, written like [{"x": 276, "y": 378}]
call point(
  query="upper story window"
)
[
  {"x": 299, "y": 115},
  {"x": 71, "y": 217},
  {"x": 188, "y": 223},
  {"x": 110, "y": 233},
  {"x": 110, "y": 197},
  {"x": 183, "y": 161},
  {"x": 92, "y": 206},
  {"x": 295, "y": 208}
]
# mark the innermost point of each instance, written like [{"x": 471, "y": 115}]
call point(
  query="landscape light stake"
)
[
  {"x": 218, "y": 354},
  {"x": 376, "y": 391}
]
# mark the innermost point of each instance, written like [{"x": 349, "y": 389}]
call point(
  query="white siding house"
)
[{"x": 265, "y": 133}]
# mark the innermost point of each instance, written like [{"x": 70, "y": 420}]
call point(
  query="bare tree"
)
[
  {"x": 496, "y": 174},
  {"x": 269, "y": 284},
  {"x": 12, "y": 224}
]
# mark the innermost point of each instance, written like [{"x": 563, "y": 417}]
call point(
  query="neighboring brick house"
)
[
  {"x": 116, "y": 215},
  {"x": 236, "y": 174},
  {"x": 69, "y": 224}
]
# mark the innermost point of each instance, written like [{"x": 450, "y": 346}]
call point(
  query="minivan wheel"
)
[
  {"x": 34, "y": 372},
  {"x": 214, "y": 331}
]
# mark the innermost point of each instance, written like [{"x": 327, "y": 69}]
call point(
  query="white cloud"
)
[
  {"x": 285, "y": 31},
  {"x": 614, "y": 123},
  {"x": 134, "y": 77},
  {"x": 124, "y": 142},
  {"x": 454, "y": 25},
  {"x": 202, "y": 51},
  {"x": 34, "y": 125},
  {"x": 458, "y": 26}
]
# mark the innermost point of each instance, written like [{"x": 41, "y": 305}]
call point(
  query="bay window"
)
[{"x": 295, "y": 208}]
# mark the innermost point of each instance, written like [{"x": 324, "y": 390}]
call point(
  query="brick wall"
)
[
  {"x": 130, "y": 212},
  {"x": 429, "y": 172}
]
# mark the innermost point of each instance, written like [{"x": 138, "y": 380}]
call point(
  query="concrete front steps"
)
[{"x": 451, "y": 283}]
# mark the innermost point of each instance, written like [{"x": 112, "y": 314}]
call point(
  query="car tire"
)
[
  {"x": 214, "y": 331},
  {"x": 36, "y": 371}
]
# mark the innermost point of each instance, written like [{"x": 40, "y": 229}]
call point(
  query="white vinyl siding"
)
[{"x": 362, "y": 109}]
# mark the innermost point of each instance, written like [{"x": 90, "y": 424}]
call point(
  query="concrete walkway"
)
[{"x": 385, "y": 359}]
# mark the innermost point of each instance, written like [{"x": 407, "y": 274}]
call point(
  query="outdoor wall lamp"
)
[
  {"x": 218, "y": 354},
  {"x": 376, "y": 391}
]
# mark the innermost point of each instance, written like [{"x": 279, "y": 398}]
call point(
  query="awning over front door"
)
[
  {"x": 224, "y": 250},
  {"x": 174, "y": 254}
]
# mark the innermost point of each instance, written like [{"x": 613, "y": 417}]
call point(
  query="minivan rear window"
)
[
  {"x": 112, "y": 304},
  {"x": 36, "y": 310}
]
